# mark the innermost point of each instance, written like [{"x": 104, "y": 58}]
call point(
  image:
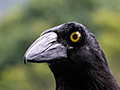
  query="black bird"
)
[{"x": 75, "y": 58}]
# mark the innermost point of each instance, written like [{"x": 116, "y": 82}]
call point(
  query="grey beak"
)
[{"x": 45, "y": 49}]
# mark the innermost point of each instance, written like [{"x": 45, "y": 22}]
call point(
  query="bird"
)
[{"x": 74, "y": 56}]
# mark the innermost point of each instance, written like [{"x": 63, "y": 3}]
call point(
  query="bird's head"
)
[
  {"x": 74, "y": 56},
  {"x": 70, "y": 41}
]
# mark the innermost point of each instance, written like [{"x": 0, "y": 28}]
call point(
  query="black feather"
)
[{"x": 85, "y": 67}]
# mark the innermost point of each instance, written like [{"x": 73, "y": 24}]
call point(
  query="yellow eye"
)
[{"x": 75, "y": 36}]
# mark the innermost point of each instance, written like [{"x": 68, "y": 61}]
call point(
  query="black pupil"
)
[{"x": 75, "y": 36}]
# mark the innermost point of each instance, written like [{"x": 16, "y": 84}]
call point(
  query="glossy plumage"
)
[{"x": 79, "y": 65}]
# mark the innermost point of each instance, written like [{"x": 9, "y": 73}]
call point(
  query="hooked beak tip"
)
[{"x": 25, "y": 60}]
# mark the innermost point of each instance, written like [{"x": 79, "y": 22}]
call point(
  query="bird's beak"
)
[{"x": 45, "y": 49}]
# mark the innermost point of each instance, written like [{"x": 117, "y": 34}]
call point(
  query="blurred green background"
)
[{"x": 24, "y": 20}]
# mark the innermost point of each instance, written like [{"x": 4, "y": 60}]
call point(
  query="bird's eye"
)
[{"x": 75, "y": 36}]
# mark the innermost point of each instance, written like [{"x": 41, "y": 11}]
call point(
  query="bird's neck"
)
[{"x": 73, "y": 78}]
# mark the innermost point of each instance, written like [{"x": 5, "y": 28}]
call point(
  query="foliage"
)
[{"x": 23, "y": 25}]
